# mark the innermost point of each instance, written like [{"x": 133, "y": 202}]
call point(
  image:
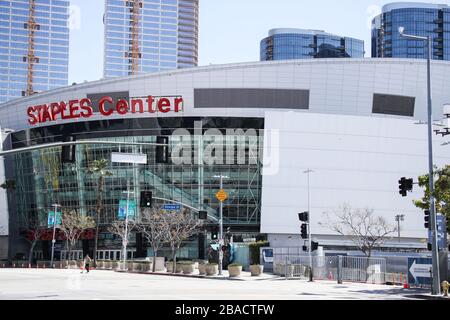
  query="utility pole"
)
[
  {"x": 436, "y": 287},
  {"x": 221, "y": 197},
  {"x": 309, "y": 231},
  {"x": 54, "y": 233},
  {"x": 125, "y": 238},
  {"x": 398, "y": 218}
]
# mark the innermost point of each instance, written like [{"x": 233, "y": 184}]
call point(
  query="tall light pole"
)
[
  {"x": 221, "y": 241},
  {"x": 398, "y": 218},
  {"x": 54, "y": 232},
  {"x": 309, "y": 230},
  {"x": 436, "y": 287},
  {"x": 125, "y": 238}
]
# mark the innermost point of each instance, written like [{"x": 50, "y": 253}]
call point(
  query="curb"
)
[
  {"x": 182, "y": 275},
  {"x": 426, "y": 297}
]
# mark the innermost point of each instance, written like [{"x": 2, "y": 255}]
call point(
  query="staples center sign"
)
[{"x": 107, "y": 106}]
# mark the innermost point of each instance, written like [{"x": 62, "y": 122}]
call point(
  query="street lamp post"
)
[
  {"x": 309, "y": 230},
  {"x": 398, "y": 218},
  {"x": 54, "y": 233},
  {"x": 436, "y": 287},
  {"x": 125, "y": 238},
  {"x": 221, "y": 241}
]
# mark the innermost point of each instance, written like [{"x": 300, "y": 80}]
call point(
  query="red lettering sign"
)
[{"x": 74, "y": 109}]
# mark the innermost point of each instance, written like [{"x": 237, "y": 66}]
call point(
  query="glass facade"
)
[
  {"x": 42, "y": 179},
  {"x": 308, "y": 44},
  {"x": 149, "y": 36},
  {"x": 33, "y": 60},
  {"x": 432, "y": 21}
]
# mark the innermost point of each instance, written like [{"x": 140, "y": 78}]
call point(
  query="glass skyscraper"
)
[
  {"x": 422, "y": 19},
  {"x": 144, "y": 36},
  {"x": 282, "y": 44},
  {"x": 34, "y": 46}
]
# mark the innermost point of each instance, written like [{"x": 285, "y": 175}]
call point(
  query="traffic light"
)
[
  {"x": 202, "y": 215},
  {"x": 427, "y": 219},
  {"x": 214, "y": 233},
  {"x": 304, "y": 231},
  {"x": 303, "y": 216},
  {"x": 314, "y": 246},
  {"x": 146, "y": 199},
  {"x": 162, "y": 151},
  {"x": 409, "y": 184},
  {"x": 405, "y": 185}
]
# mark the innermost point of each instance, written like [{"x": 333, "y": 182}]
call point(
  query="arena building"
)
[{"x": 356, "y": 123}]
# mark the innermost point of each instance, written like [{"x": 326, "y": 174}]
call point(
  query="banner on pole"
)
[
  {"x": 51, "y": 218},
  {"x": 123, "y": 209}
]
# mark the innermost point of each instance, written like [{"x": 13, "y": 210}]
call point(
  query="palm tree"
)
[{"x": 99, "y": 168}]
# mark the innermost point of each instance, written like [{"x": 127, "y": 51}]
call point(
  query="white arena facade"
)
[{"x": 356, "y": 123}]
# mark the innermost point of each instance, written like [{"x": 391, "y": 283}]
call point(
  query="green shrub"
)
[
  {"x": 254, "y": 251},
  {"x": 212, "y": 264}
]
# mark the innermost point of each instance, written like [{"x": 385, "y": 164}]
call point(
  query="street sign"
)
[
  {"x": 441, "y": 233},
  {"x": 51, "y": 218},
  {"x": 419, "y": 271},
  {"x": 221, "y": 195},
  {"x": 172, "y": 207},
  {"x": 123, "y": 209}
]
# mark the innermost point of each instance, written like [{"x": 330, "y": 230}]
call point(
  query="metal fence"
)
[{"x": 340, "y": 268}]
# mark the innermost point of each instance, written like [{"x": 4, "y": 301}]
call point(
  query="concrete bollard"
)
[{"x": 29, "y": 265}]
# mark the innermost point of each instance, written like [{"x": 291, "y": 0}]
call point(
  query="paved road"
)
[{"x": 70, "y": 284}]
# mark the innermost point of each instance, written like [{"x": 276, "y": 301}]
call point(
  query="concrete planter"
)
[
  {"x": 202, "y": 269},
  {"x": 137, "y": 266},
  {"x": 234, "y": 271},
  {"x": 107, "y": 265},
  {"x": 75, "y": 265},
  {"x": 169, "y": 266},
  {"x": 146, "y": 266},
  {"x": 179, "y": 268},
  {"x": 212, "y": 269},
  {"x": 100, "y": 264},
  {"x": 188, "y": 268},
  {"x": 256, "y": 270},
  {"x": 114, "y": 265}
]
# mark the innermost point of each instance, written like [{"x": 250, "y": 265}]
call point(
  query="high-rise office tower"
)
[
  {"x": 150, "y": 35},
  {"x": 422, "y": 19},
  {"x": 282, "y": 44},
  {"x": 34, "y": 46}
]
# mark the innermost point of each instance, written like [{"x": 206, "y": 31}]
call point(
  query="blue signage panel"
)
[
  {"x": 419, "y": 271},
  {"x": 123, "y": 207},
  {"x": 172, "y": 207},
  {"x": 442, "y": 232},
  {"x": 51, "y": 218}
]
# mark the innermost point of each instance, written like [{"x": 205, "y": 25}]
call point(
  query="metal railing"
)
[{"x": 339, "y": 268}]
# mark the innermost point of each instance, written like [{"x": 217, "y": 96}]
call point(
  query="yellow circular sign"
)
[{"x": 221, "y": 195}]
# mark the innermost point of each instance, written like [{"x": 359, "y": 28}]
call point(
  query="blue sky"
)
[{"x": 230, "y": 30}]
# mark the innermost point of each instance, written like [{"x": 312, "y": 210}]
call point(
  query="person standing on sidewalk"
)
[{"x": 86, "y": 262}]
